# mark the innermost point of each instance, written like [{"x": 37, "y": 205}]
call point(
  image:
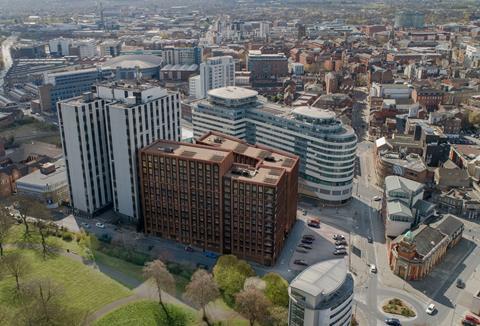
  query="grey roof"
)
[
  {"x": 143, "y": 61},
  {"x": 424, "y": 207},
  {"x": 426, "y": 238},
  {"x": 395, "y": 182},
  {"x": 39, "y": 180},
  {"x": 398, "y": 208},
  {"x": 192, "y": 67},
  {"x": 449, "y": 225},
  {"x": 322, "y": 278}
]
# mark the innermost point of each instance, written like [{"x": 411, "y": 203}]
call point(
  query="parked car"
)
[
  {"x": 301, "y": 262},
  {"x": 338, "y": 237},
  {"x": 473, "y": 319},
  {"x": 304, "y": 212},
  {"x": 307, "y": 241},
  {"x": 340, "y": 252},
  {"x": 340, "y": 247},
  {"x": 309, "y": 237},
  {"x": 188, "y": 248},
  {"x": 340, "y": 243},
  {"x": 210, "y": 254},
  {"x": 377, "y": 198},
  {"x": 373, "y": 269},
  {"x": 393, "y": 322},
  {"x": 301, "y": 250},
  {"x": 460, "y": 284},
  {"x": 430, "y": 309},
  {"x": 86, "y": 225},
  {"x": 370, "y": 239},
  {"x": 100, "y": 225},
  {"x": 314, "y": 225},
  {"x": 468, "y": 323},
  {"x": 305, "y": 246}
]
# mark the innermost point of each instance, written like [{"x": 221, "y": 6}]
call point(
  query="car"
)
[
  {"x": 301, "y": 250},
  {"x": 314, "y": 225},
  {"x": 339, "y": 252},
  {"x": 100, "y": 225},
  {"x": 301, "y": 262},
  {"x": 473, "y": 319},
  {"x": 202, "y": 266},
  {"x": 188, "y": 248},
  {"x": 377, "y": 198},
  {"x": 466, "y": 322},
  {"x": 307, "y": 241},
  {"x": 393, "y": 322},
  {"x": 340, "y": 247},
  {"x": 460, "y": 284},
  {"x": 340, "y": 243},
  {"x": 86, "y": 225},
  {"x": 304, "y": 212},
  {"x": 305, "y": 246},
  {"x": 430, "y": 309},
  {"x": 210, "y": 254},
  {"x": 370, "y": 239},
  {"x": 309, "y": 237},
  {"x": 338, "y": 237},
  {"x": 373, "y": 269}
]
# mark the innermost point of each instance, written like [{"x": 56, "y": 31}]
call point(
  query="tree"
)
[
  {"x": 6, "y": 223},
  {"x": 278, "y": 316},
  {"x": 253, "y": 305},
  {"x": 157, "y": 272},
  {"x": 230, "y": 274},
  {"x": 201, "y": 290},
  {"x": 16, "y": 265},
  {"x": 276, "y": 290},
  {"x": 28, "y": 207},
  {"x": 43, "y": 305}
]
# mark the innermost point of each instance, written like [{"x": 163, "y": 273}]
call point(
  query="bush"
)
[{"x": 67, "y": 236}]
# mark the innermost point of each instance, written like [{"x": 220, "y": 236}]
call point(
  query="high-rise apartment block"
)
[
  {"x": 326, "y": 147},
  {"x": 221, "y": 195},
  {"x": 182, "y": 56},
  {"x": 107, "y": 128},
  {"x": 216, "y": 72}
]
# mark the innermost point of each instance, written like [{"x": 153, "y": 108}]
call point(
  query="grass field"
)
[{"x": 146, "y": 313}]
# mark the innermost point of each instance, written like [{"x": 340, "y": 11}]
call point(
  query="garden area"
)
[{"x": 398, "y": 307}]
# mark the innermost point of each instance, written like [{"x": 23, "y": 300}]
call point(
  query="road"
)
[{"x": 7, "y": 59}]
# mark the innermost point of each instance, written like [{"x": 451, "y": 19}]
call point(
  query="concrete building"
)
[
  {"x": 220, "y": 195},
  {"x": 266, "y": 67},
  {"x": 409, "y": 166},
  {"x": 110, "y": 48},
  {"x": 182, "y": 56},
  {"x": 413, "y": 255},
  {"x": 325, "y": 146},
  {"x": 297, "y": 69},
  {"x": 409, "y": 19},
  {"x": 216, "y": 72},
  {"x": 134, "y": 66},
  {"x": 130, "y": 116},
  {"x": 195, "y": 87},
  {"x": 60, "y": 46},
  {"x": 322, "y": 295},
  {"x": 403, "y": 205}
]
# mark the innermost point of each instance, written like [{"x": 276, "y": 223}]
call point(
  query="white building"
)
[
  {"x": 195, "y": 87},
  {"x": 393, "y": 91},
  {"x": 86, "y": 48},
  {"x": 133, "y": 116},
  {"x": 182, "y": 56},
  {"x": 321, "y": 295},
  {"x": 217, "y": 72},
  {"x": 60, "y": 46},
  {"x": 297, "y": 69},
  {"x": 110, "y": 48},
  {"x": 327, "y": 148}
]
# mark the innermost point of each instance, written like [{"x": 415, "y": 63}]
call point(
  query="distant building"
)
[
  {"x": 221, "y": 195},
  {"x": 409, "y": 19},
  {"x": 60, "y": 46},
  {"x": 182, "y": 56},
  {"x": 28, "y": 49},
  {"x": 178, "y": 72},
  {"x": 110, "y": 48},
  {"x": 403, "y": 205},
  {"x": 322, "y": 295},
  {"x": 297, "y": 69},
  {"x": 412, "y": 256},
  {"x": 266, "y": 67},
  {"x": 215, "y": 72}
]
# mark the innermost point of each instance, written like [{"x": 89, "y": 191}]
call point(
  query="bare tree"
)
[
  {"x": 16, "y": 265},
  {"x": 253, "y": 305},
  {"x": 158, "y": 273},
  {"x": 6, "y": 223},
  {"x": 201, "y": 290},
  {"x": 43, "y": 305},
  {"x": 28, "y": 207}
]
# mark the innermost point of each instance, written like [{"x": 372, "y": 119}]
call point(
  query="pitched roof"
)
[{"x": 426, "y": 238}]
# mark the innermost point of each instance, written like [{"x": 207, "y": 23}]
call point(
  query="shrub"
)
[{"x": 67, "y": 236}]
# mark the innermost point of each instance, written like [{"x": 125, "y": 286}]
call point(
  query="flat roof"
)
[
  {"x": 314, "y": 113},
  {"x": 38, "y": 179},
  {"x": 322, "y": 278},
  {"x": 186, "y": 151},
  {"x": 232, "y": 93},
  {"x": 264, "y": 175}
]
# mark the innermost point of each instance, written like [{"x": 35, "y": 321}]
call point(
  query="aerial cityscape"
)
[{"x": 239, "y": 163}]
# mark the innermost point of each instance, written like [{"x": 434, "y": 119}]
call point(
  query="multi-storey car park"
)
[{"x": 326, "y": 147}]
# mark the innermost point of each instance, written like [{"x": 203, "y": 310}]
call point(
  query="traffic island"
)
[{"x": 398, "y": 307}]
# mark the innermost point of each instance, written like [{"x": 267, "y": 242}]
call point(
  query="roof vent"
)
[
  {"x": 270, "y": 159},
  {"x": 166, "y": 149},
  {"x": 218, "y": 140}
]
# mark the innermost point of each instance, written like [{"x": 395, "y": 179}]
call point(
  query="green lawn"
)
[
  {"x": 128, "y": 269},
  {"x": 147, "y": 313}
]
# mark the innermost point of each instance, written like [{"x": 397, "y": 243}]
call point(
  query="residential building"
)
[
  {"x": 182, "y": 56},
  {"x": 413, "y": 255},
  {"x": 325, "y": 146},
  {"x": 110, "y": 48},
  {"x": 460, "y": 202},
  {"x": 322, "y": 295},
  {"x": 297, "y": 69},
  {"x": 124, "y": 118},
  {"x": 266, "y": 67},
  {"x": 410, "y": 19},
  {"x": 403, "y": 205},
  {"x": 195, "y": 87},
  {"x": 221, "y": 195},
  {"x": 409, "y": 166},
  {"x": 215, "y": 72},
  {"x": 60, "y": 46}
]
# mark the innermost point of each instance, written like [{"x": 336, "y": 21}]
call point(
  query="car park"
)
[
  {"x": 100, "y": 225},
  {"x": 430, "y": 309},
  {"x": 340, "y": 243},
  {"x": 301, "y": 262},
  {"x": 305, "y": 246}
]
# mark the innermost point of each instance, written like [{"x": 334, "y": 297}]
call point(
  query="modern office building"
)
[
  {"x": 322, "y": 295},
  {"x": 120, "y": 119},
  {"x": 409, "y": 19},
  {"x": 267, "y": 67},
  {"x": 220, "y": 195},
  {"x": 216, "y": 72},
  {"x": 60, "y": 46},
  {"x": 182, "y": 56},
  {"x": 326, "y": 147}
]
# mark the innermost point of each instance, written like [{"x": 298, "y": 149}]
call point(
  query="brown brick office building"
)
[{"x": 220, "y": 195}]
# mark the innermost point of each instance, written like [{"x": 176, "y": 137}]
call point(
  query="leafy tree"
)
[
  {"x": 157, "y": 272},
  {"x": 276, "y": 290},
  {"x": 253, "y": 305},
  {"x": 278, "y": 316},
  {"x": 230, "y": 274},
  {"x": 15, "y": 265},
  {"x": 6, "y": 223},
  {"x": 201, "y": 290}
]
